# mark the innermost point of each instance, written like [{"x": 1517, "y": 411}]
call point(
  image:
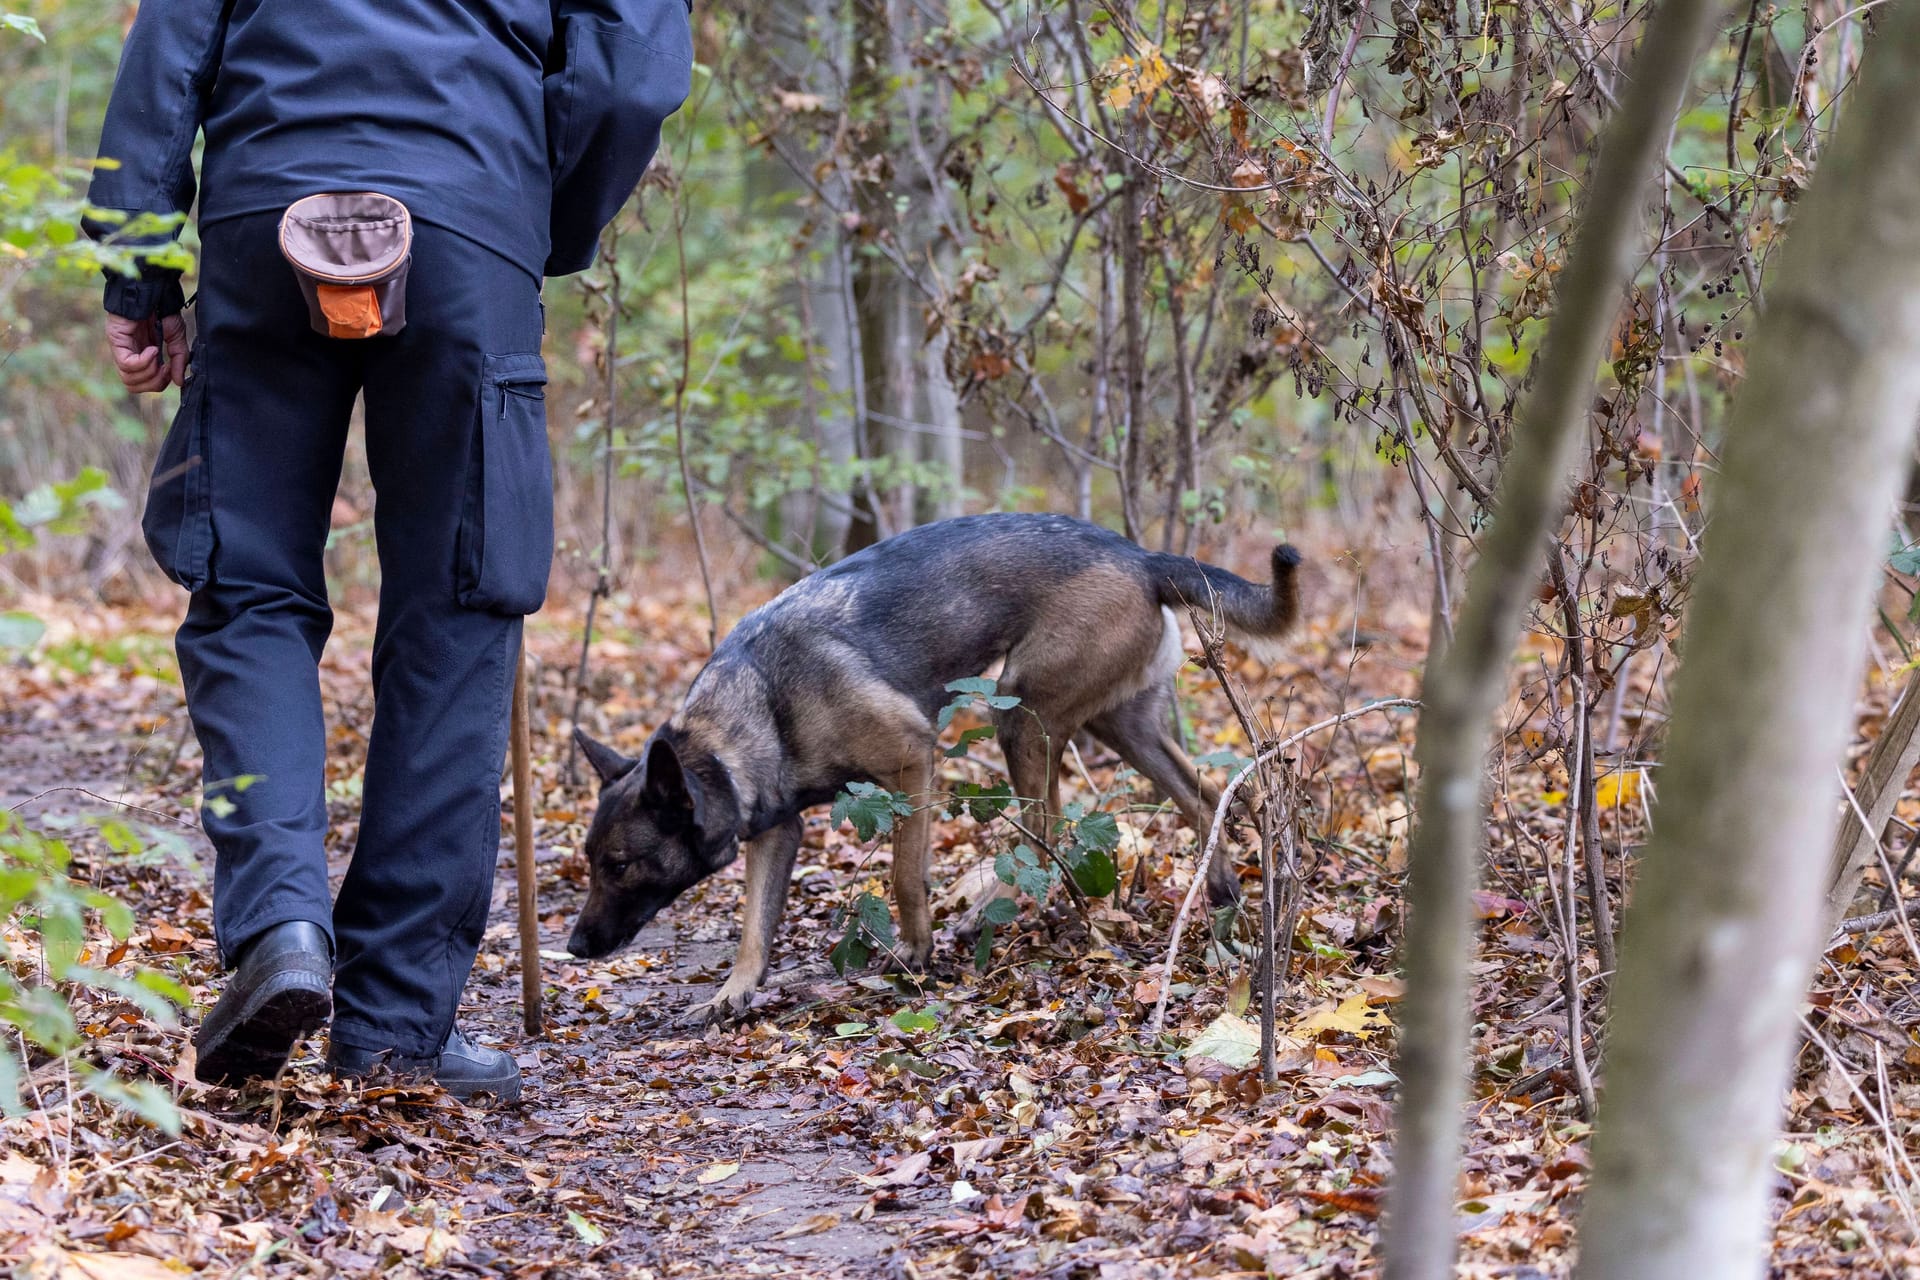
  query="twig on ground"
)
[
  {"x": 1227, "y": 793},
  {"x": 94, "y": 795},
  {"x": 1212, "y": 641},
  {"x": 1897, "y": 1158},
  {"x": 1880, "y": 919}
]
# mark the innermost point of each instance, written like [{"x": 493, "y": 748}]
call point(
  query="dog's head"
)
[{"x": 665, "y": 822}]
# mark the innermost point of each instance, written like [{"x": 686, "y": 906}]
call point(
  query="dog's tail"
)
[{"x": 1256, "y": 616}]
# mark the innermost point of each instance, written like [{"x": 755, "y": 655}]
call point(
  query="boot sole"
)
[
  {"x": 502, "y": 1089},
  {"x": 505, "y": 1090},
  {"x": 255, "y": 1042}
]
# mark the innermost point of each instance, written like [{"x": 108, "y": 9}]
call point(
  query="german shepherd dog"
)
[{"x": 840, "y": 677}]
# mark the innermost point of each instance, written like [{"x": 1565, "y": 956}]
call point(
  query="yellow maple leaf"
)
[
  {"x": 1617, "y": 788},
  {"x": 1353, "y": 1016}
]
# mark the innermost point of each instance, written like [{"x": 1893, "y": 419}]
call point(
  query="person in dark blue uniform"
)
[{"x": 512, "y": 131}]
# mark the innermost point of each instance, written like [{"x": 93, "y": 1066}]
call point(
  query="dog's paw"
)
[
  {"x": 725, "y": 1007},
  {"x": 1223, "y": 883},
  {"x": 909, "y": 956}
]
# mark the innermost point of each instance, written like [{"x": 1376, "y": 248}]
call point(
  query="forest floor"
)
[{"x": 1021, "y": 1120}]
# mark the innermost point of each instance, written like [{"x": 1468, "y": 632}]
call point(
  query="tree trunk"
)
[
  {"x": 911, "y": 413},
  {"x": 875, "y": 284},
  {"x": 946, "y": 447},
  {"x": 1464, "y": 687},
  {"x": 1727, "y": 915},
  {"x": 932, "y": 233},
  {"x": 813, "y": 521}
]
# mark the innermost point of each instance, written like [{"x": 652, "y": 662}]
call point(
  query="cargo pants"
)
[{"x": 239, "y": 513}]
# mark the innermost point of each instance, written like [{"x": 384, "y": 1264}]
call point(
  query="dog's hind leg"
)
[
  {"x": 1033, "y": 763},
  {"x": 1138, "y": 730},
  {"x": 770, "y": 858},
  {"x": 911, "y": 836}
]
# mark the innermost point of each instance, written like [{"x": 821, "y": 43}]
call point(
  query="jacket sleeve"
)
[
  {"x": 159, "y": 100},
  {"x": 624, "y": 66}
]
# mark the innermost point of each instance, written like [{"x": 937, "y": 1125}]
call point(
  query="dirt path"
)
[
  {"x": 636, "y": 1144},
  {"x": 624, "y": 1116}
]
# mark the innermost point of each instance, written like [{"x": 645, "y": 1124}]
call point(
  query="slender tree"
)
[
  {"x": 1464, "y": 686},
  {"x": 1731, "y": 902}
]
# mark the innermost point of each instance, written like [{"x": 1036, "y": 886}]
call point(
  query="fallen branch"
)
[
  {"x": 1879, "y": 919},
  {"x": 1227, "y": 794}
]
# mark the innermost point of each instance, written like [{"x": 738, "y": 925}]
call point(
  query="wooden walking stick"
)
[{"x": 523, "y": 802}]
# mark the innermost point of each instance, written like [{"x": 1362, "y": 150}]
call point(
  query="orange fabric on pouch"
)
[
  {"x": 352, "y": 311},
  {"x": 350, "y": 251}
]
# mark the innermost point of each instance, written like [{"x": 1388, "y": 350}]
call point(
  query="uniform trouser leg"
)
[
  {"x": 457, "y": 447},
  {"x": 240, "y": 512}
]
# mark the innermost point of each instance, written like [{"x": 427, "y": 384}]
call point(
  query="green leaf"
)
[
  {"x": 156, "y": 1004},
  {"x": 22, "y": 23},
  {"x": 968, "y": 737},
  {"x": 971, "y": 687},
  {"x": 20, "y": 631},
  {"x": 1229, "y": 1040},
  {"x": 1034, "y": 882},
  {"x": 139, "y": 1097},
  {"x": 907, "y": 1062},
  {"x": 590, "y": 1235},
  {"x": 11, "y": 1076},
  {"x": 42, "y": 1016},
  {"x": 983, "y": 950},
  {"x": 1000, "y": 911},
  {"x": 1099, "y": 832},
  {"x": 981, "y": 803},
  {"x": 875, "y": 919},
  {"x": 1096, "y": 876},
  {"x": 850, "y": 953},
  {"x": 909, "y": 1020},
  {"x": 1220, "y": 760},
  {"x": 870, "y": 808},
  {"x": 115, "y": 914}
]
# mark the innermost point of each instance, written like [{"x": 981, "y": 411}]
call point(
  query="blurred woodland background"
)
[{"x": 899, "y": 261}]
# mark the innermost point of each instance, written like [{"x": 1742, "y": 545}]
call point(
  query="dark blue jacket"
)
[{"x": 522, "y": 125}]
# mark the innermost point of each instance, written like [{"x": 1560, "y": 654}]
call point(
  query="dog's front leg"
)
[
  {"x": 910, "y": 840},
  {"x": 769, "y": 871}
]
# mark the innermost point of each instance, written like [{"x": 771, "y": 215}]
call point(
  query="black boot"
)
[
  {"x": 463, "y": 1068},
  {"x": 279, "y": 992}
]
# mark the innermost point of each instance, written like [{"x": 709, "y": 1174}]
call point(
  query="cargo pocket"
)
[
  {"x": 505, "y": 548},
  {"x": 178, "y": 521}
]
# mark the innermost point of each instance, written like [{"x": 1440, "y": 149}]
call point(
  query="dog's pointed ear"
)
[
  {"x": 669, "y": 788},
  {"x": 665, "y": 783},
  {"x": 608, "y": 763}
]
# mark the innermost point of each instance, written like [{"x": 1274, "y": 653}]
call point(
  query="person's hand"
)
[{"x": 137, "y": 351}]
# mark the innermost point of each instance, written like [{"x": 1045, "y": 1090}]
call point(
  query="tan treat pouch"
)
[{"x": 350, "y": 252}]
